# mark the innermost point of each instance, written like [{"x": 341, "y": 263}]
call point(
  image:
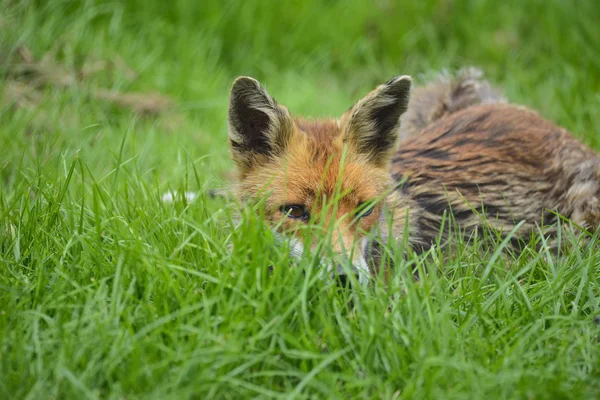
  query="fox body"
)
[{"x": 457, "y": 155}]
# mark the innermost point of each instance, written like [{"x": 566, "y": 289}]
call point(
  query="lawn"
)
[{"x": 108, "y": 292}]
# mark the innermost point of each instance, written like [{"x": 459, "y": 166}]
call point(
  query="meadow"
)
[{"x": 108, "y": 292}]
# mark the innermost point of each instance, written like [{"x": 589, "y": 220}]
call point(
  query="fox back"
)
[{"x": 494, "y": 166}]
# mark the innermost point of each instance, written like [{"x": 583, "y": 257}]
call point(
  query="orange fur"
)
[{"x": 309, "y": 174}]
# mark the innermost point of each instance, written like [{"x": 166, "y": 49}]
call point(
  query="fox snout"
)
[
  {"x": 340, "y": 254},
  {"x": 349, "y": 256},
  {"x": 345, "y": 279},
  {"x": 343, "y": 274}
]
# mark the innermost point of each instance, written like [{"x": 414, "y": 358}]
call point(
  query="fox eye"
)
[
  {"x": 364, "y": 209},
  {"x": 295, "y": 211}
]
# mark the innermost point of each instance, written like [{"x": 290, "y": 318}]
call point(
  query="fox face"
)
[{"x": 317, "y": 177}]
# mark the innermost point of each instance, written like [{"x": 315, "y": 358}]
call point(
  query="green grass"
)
[{"x": 106, "y": 292}]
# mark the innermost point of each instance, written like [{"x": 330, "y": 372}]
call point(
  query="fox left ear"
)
[
  {"x": 372, "y": 124},
  {"x": 259, "y": 128}
]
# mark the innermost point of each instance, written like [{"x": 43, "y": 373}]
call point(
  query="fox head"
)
[{"x": 318, "y": 176}]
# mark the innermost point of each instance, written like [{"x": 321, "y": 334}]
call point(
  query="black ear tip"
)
[
  {"x": 403, "y": 81},
  {"x": 244, "y": 83}
]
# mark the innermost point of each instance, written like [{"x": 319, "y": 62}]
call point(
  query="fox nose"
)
[
  {"x": 343, "y": 278},
  {"x": 344, "y": 281}
]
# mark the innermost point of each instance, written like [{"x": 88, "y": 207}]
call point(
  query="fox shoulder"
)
[{"x": 446, "y": 95}]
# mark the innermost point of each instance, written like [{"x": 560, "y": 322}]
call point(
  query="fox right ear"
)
[
  {"x": 372, "y": 124},
  {"x": 258, "y": 127}
]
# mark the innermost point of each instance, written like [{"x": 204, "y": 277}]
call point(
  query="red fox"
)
[{"x": 490, "y": 165}]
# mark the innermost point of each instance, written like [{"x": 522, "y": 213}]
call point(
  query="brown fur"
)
[
  {"x": 502, "y": 162},
  {"x": 445, "y": 95}
]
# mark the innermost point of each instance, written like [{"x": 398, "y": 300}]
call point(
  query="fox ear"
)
[
  {"x": 258, "y": 127},
  {"x": 372, "y": 124}
]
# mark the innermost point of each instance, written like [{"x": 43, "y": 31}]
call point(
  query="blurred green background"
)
[{"x": 315, "y": 56}]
